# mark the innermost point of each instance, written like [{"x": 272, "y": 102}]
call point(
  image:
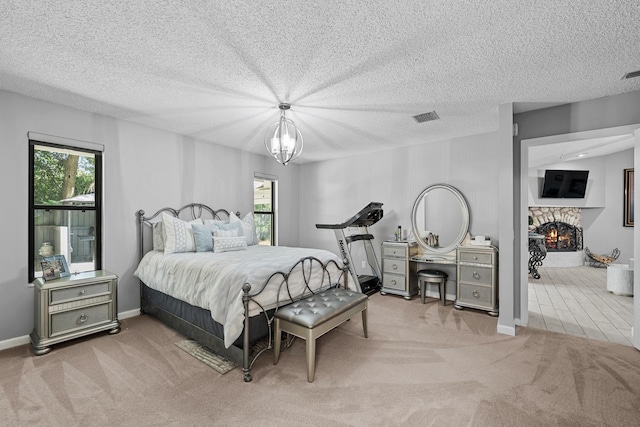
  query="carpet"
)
[{"x": 218, "y": 363}]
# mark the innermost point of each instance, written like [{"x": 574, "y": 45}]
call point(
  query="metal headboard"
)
[{"x": 188, "y": 212}]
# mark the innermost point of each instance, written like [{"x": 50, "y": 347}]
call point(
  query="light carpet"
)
[{"x": 422, "y": 365}]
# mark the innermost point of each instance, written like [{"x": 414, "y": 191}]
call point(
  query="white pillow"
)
[
  {"x": 225, "y": 244},
  {"x": 248, "y": 226},
  {"x": 158, "y": 236},
  {"x": 216, "y": 221},
  {"x": 226, "y": 233},
  {"x": 178, "y": 234}
]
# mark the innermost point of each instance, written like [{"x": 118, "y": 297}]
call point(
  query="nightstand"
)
[{"x": 74, "y": 306}]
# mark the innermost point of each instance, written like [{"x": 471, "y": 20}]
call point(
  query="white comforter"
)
[{"x": 214, "y": 281}]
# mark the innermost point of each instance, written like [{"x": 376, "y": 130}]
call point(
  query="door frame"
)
[{"x": 631, "y": 130}]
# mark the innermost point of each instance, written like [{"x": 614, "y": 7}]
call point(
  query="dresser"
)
[
  {"x": 72, "y": 307},
  {"x": 398, "y": 274},
  {"x": 477, "y": 273}
]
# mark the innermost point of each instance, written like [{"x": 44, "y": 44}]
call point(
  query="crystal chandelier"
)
[{"x": 283, "y": 140}]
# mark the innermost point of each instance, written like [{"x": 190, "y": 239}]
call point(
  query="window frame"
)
[
  {"x": 82, "y": 147},
  {"x": 272, "y": 212}
]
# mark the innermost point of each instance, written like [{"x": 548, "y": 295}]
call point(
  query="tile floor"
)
[{"x": 575, "y": 301}]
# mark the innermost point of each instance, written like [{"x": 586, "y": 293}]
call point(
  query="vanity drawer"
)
[
  {"x": 397, "y": 266},
  {"x": 394, "y": 251},
  {"x": 394, "y": 281},
  {"x": 480, "y": 295},
  {"x": 474, "y": 257},
  {"x": 79, "y": 318},
  {"x": 78, "y": 292},
  {"x": 479, "y": 275}
]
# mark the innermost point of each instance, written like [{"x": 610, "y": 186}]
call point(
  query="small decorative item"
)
[
  {"x": 628, "y": 198},
  {"x": 48, "y": 271},
  {"x": 432, "y": 240},
  {"x": 59, "y": 265},
  {"x": 46, "y": 249}
]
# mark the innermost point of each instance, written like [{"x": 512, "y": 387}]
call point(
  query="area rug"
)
[{"x": 218, "y": 363}]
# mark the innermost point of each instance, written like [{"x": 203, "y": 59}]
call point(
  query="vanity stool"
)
[{"x": 433, "y": 276}]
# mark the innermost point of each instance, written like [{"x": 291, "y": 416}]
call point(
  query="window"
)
[
  {"x": 264, "y": 203},
  {"x": 65, "y": 212}
]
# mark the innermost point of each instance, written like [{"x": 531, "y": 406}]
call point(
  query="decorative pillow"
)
[
  {"x": 225, "y": 244},
  {"x": 228, "y": 230},
  {"x": 178, "y": 234},
  {"x": 248, "y": 227},
  {"x": 158, "y": 236},
  {"x": 227, "y": 233},
  {"x": 203, "y": 236},
  {"x": 216, "y": 221}
]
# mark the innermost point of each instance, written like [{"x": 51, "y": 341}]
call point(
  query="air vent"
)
[
  {"x": 631, "y": 75},
  {"x": 426, "y": 117}
]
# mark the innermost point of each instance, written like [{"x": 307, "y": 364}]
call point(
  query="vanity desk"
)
[
  {"x": 440, "y": 225},
  {"x": 399, "y": 276},
  {"x": 476, "y": 276}
]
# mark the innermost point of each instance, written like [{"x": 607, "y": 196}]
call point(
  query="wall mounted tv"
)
[{"x": 564, "y": 184}]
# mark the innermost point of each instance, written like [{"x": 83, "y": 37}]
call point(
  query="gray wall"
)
[
  {"x": 144, "y": 169},
  {"x": 335, "y": 190}
]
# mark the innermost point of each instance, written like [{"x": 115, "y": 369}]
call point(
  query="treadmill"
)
[{"x": 369, "y": 215}]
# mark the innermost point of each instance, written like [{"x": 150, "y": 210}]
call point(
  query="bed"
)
[{"x": 203, "y": 274}]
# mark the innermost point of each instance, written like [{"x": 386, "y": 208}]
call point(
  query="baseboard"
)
[
  {"x": 14, "y": 342},
  {"x": 18, "y": 341},
  {"x": 127, "y": 314},
  {"x": 507, "y": 330}
]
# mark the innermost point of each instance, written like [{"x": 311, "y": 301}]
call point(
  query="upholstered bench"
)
[{"x": 313, "y": 317}]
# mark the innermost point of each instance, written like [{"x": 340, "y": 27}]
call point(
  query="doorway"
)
[{"x": 631, "y": 131}]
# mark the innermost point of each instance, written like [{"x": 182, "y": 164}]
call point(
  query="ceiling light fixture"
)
[{"x": 283, "y": 140}]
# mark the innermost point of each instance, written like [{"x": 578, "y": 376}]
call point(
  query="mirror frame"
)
[{"x": 464, "y": 228}]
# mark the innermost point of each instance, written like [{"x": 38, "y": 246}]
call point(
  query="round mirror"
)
[{"x": 440, "y": 218}]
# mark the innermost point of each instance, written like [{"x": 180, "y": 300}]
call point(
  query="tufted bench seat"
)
[{"x": 313, "y": 317}]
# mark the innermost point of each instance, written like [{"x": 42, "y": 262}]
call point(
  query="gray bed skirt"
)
[{"x": 196, "y": 323}]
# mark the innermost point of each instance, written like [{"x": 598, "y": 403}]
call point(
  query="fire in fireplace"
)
[{"x": 560, "y": 236}]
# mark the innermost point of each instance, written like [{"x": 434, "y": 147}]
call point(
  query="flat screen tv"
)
[{"x": 564, "y": 184}]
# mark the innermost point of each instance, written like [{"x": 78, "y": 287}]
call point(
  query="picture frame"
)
[
  {"x": 48, "y": 271},
  {"x": 629, "y": 195},
  {"x": 54, "y": 267}
]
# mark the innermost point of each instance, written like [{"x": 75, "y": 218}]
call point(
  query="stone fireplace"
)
[
  {"x": 560, "y": 236},
  {"x": 562, "y": 229}
]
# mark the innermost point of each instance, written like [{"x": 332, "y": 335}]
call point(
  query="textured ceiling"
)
[{"x": 355, "y": 72}]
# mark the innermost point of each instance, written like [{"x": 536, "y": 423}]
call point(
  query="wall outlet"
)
[{"x": 364, "y": 264}]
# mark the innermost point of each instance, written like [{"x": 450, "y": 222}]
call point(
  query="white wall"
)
[
  {"x": 144, "y": 169},
  {"x": 603, "y": 229},
  {"x": 335, "y": 190}
]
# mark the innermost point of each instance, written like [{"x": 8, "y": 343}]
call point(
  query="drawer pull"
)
[
  {"x": 475, "y": 257},
  {"x": 476, "y": 294},
  {"x": 82, "y": 318},
  {"x": 395, "y": 266},
  {"x": 476, "y": 275},
  {"x": 393, "y": 282},
  {"x": 82, "y": 292}
]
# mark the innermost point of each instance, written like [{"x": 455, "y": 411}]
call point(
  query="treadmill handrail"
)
[
  {"x": 356, "y": 237},
  {"x": 367, "y": 216}
]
